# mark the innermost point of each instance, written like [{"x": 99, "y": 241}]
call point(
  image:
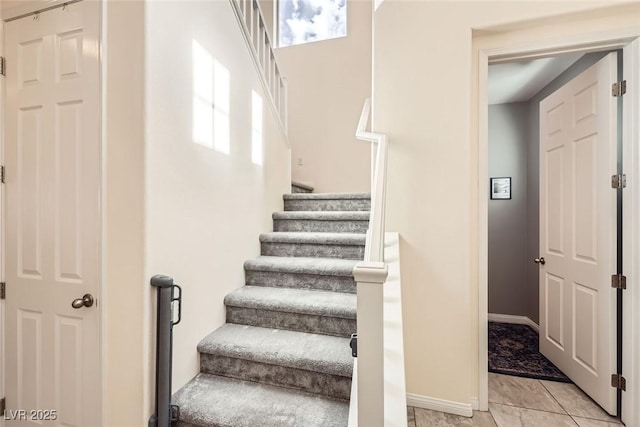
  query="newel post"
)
[{"x": 370, "y": 278}]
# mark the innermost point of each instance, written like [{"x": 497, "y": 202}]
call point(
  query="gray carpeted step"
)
[
  {"x": 318, "y": 221},
  {"x": 213, "y": 401},
  {"x": 320, "y": 245},
  {"x": 299, "y": 187},
  {"x": 327, "y": 202},
  {"x": 313, "y": 363},
  {"x": 320, "y": 312},
  {"x": 328, "y": 274}
]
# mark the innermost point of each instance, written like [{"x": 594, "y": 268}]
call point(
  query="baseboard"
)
[
  {"x": 510, "y": 318},
  {"x": 440, "y": 405},
  {"x": 475, "y": 403}
]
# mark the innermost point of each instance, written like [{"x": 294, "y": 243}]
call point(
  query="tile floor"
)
[{"x": 523, "y": 402}]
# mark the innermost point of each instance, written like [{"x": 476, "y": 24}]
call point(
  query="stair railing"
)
[
  {"x": 370, "y": 275},
  {"x": 252, "y": 23},
  {"x": 165, "y": 413}
]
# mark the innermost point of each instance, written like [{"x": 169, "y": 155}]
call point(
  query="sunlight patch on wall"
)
[
  {"x": 211, "y": 101},
  {"x": 221, "y": 113},
  {"x": 256, "y": 128},
  {"x": 202, "y": 129}
]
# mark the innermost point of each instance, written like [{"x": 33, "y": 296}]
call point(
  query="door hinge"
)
[
  {"x": 619, "y": 88},
  {"x": 619, "y": 281},
  {"x": 619, "y": 382},
  {"x": 3, "y": 66},
  {"x": 3, "y": 292},
  {"x": 618, "y": 181},
  {"x": 2, "y": 174},
  {"x": 3, "y": 406}
]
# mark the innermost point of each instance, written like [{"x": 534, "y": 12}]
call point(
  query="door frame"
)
[
  {"x": 591, "y": 40},
  {"x": 15, "y": 12}
]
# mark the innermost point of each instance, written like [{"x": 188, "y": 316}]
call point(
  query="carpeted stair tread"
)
[
  {"x": 301, "y": 301},
  {"x": 311, "y": 352},
  {"x": 214, "y": 401},
  {"x": 302, "y": 265},
  {"x": 344, "y": 239},
  {"x": 327, "y": 196},
  {"x": 323, "y": 215}
]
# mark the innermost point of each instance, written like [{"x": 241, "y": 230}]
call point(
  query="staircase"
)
[{"x": 283, "y": 357}]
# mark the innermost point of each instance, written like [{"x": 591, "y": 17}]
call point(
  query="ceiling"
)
[{"x": 520, "y": 81}]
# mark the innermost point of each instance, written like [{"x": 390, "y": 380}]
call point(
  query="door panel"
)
[
  {"x": 578, "y": 230},
  {"x": 52, "y": 147},
  {"x": 554, "y": 201},
  {"x": 554, "y": 321}
]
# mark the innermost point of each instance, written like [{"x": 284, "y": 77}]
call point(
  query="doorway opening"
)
[
  {"x": 493, "y": 52},
  {"x": 558, "y": 178}
]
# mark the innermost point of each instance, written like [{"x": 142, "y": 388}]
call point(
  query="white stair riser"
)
[
  {"x": 278, "y": 279},
  {"x": 312, "y": 382},
  {"x": 311, "y": 323},
  {"x": 321, "y": 226},
  {"x": 312, "y": 250},
  {"x": 327, "y": 205}
]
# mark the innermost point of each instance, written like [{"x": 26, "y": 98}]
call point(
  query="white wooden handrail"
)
[
  {"x": 370, "y": 276},
  {"x": 254, "y": 30},
  {"x": 374, "y": 250}
]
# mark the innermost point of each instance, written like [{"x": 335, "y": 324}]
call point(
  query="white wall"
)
[
  {"x": 125, "y": 293},
  {"x": 426, "y": 99},
  {"x": 328, "y": 83},
  {"x": 204, "y": 208},
  {"x": 171, "y": 206}
]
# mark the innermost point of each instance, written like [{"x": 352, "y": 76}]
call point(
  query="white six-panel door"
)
[
  {"x": 52, "y": 155},
  {"x": 578, "y": 230}
]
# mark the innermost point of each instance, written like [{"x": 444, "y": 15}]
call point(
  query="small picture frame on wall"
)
[{"x": 501, "y": 188}]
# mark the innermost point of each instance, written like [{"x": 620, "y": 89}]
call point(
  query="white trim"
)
[
  {"x": 18, "y": 9},
  {"x": 589, "y": 40},
  {"x": 511, "y": 318},
  {"x": 483, "y": 232},
  {"x": 395, "y": 399},
  {"x": 475, "y": 404},
  {"x": 353, "y": 401},
  {"x": 631, "y": 246},
  {"x": 2, "y": 223},
  {"x": 592, "y": 42},
  {"x": 440, "y": 405}
]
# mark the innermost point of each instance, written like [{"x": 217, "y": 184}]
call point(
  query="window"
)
[{"x": 304, "y": 21}]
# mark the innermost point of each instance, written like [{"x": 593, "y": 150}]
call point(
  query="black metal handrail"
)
[{"x": 165, "y": 412}]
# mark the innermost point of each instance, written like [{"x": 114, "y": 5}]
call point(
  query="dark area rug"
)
[{"x": 513, "y": 350}]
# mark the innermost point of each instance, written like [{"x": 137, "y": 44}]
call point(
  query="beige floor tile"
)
[
  {"x": 411, "y": 417},
  {"x": 586, "y": 422},
  {"x": 522, "y": 392},
  {"x": 575, "y": 402},
  {"x": 511, "y": 416},
  {"x": 427, "y": 418}
]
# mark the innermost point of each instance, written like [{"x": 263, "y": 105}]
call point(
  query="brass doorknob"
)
[
  {"x": 85, "y": 301},
  {"x": 540, "y": 260}
]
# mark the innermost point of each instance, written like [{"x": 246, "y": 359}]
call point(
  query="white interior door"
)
[
  {"x": 52, "y": 155},
  {"x": 578, "y": 230}
]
